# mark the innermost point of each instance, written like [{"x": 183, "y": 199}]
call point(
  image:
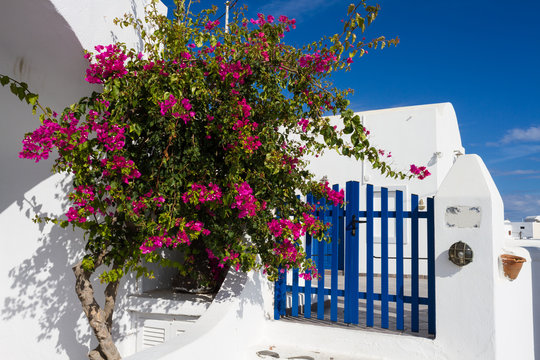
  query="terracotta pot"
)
[{"x": 512, "y": 265}]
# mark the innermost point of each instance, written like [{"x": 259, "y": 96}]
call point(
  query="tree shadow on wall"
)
[{"x": 43, "y": 285}]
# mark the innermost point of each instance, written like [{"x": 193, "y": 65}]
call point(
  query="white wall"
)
[
  {"x": 526, "y": 230},
  {"x": 41, "y": 43},
  {"x": 480, "y": 313},
  {"x": 477, "y": 307},
  {"x": 533, "y": 247},
  {"x": 425, "y": 135},
  {"x": 235, "y": 320}
]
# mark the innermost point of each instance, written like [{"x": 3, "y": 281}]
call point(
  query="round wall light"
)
[{"x": 460, "y": 254}]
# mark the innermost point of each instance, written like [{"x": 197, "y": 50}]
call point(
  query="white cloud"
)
[
  {"x": 518, "y": 206},
  {"x": 517, "y": 151},
  {"x": 516, "y": 172},
  {"x": 530, "y": 134}
]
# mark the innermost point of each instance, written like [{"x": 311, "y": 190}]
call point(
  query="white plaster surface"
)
[
  {"x": 477, "y": 307},
  {"x": 533, "y": 247},
  {"x": 425, "y": 135},
  {"x": 525, "y": 230},
  {"x": 480, "y": 314},
  {"x": 235, "y": 319},
  {"x": 41, "y": 43}
]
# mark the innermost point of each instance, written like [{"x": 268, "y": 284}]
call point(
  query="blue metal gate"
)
[{"x": 346, "y": 221}]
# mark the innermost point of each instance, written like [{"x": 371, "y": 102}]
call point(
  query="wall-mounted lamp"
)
[{"x": 460, "y": 254}]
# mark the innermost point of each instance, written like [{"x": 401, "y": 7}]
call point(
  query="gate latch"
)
[{"x": 353, "y": 224}]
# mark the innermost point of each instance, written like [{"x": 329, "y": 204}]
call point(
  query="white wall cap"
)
[
  {"x": 469, "y": 170},
  {"x": 445, "y": 107}
]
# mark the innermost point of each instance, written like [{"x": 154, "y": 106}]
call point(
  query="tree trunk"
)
[{"x": 100, "y": 319}]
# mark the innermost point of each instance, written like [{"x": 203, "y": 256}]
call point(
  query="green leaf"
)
[
  {"x": 355, "y": 139},
  {"x": 350, "y": 9},
  {"x": 88, "y": 263},
  {"x": 4, "y": 80},
  {"x": 31, "y": 98}
]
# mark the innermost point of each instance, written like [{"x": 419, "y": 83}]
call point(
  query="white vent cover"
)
[{"x": 155, "y": 329}]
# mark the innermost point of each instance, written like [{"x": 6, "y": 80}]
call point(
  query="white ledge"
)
[{"x": 169, "y": 303}]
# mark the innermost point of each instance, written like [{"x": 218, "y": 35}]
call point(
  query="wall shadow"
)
[
  {"x": 43, "y": 284},
  {"x": 46, "y": 54}
]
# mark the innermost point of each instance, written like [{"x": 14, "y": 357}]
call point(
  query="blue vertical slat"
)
[
  {"x": 341, "y": 257},
  {"x": 320, "y": 263},
  {"x": 347, "y": 260},
  {"x": 307, "y": 290},
  {"x": 294, "y": 310},
  {"x": 355, "y": 247},
  {"x": 369, "y": 255},
  {"x": 414, "y": 264},
  {"x": 399, "y": 261},
  {"x": 280, "y": 295},
  {"x": 335, "y": 258},
  {"x": 431, "y": 264},
  {"x": 283, "y": 293},
  {"x": 351, "y": 253},
  {"x": 384, "y": 258}
]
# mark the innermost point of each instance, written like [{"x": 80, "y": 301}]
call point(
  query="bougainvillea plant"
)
[{"x": 196, "y": 144}]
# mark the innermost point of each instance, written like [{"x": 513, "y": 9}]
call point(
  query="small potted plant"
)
[{"x": 512, "y": 265}]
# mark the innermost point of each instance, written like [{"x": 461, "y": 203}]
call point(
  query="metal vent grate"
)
[{"x": 153, "y": 336}]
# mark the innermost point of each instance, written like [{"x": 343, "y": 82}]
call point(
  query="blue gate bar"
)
[
  {"x": 321, "y": 204},
  {"x": 283, "y": 293},
  {"x": 307, "y": 293},
  {"x": 351, "y": 252},
  {"x": 355, "y": 247},
  {"x": 335, "y": 258},
  {"x": 341, "y": 238},
  {"x": 414, "y": 264},
  {"x": 369, "y": 255},
  {"x": 384, "y": 258},
  {"x": 431, "y": 264},
  {"x": 392, "y": 214},
  {"x": 277, "y": 299},
  {"x": 399, "y": 261},
  {"x": 280, "y": 292},
  {"x": 344, "y": 255},
  {"x": 347, "y": 255},
  {"x": 294, "y": 310},
  {"x": 362, "y": 295}
]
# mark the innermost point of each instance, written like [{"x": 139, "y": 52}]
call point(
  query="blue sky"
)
[{"x": 482, "y": 56}]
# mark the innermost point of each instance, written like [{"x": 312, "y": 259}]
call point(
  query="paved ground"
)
[
  {"x": 289, "y": 352},
  {"x": 423, "y": 315}
]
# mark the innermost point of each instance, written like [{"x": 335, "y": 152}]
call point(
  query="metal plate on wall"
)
[{"x": 463, "y": 217}]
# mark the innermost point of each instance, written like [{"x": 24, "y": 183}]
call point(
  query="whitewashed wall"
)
[
  {"x": 425, "y": 135},
  {"x": 525, "y": 230},
  {"x": 41, "y": 43},
  {"x": 480, "y": 313}
]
